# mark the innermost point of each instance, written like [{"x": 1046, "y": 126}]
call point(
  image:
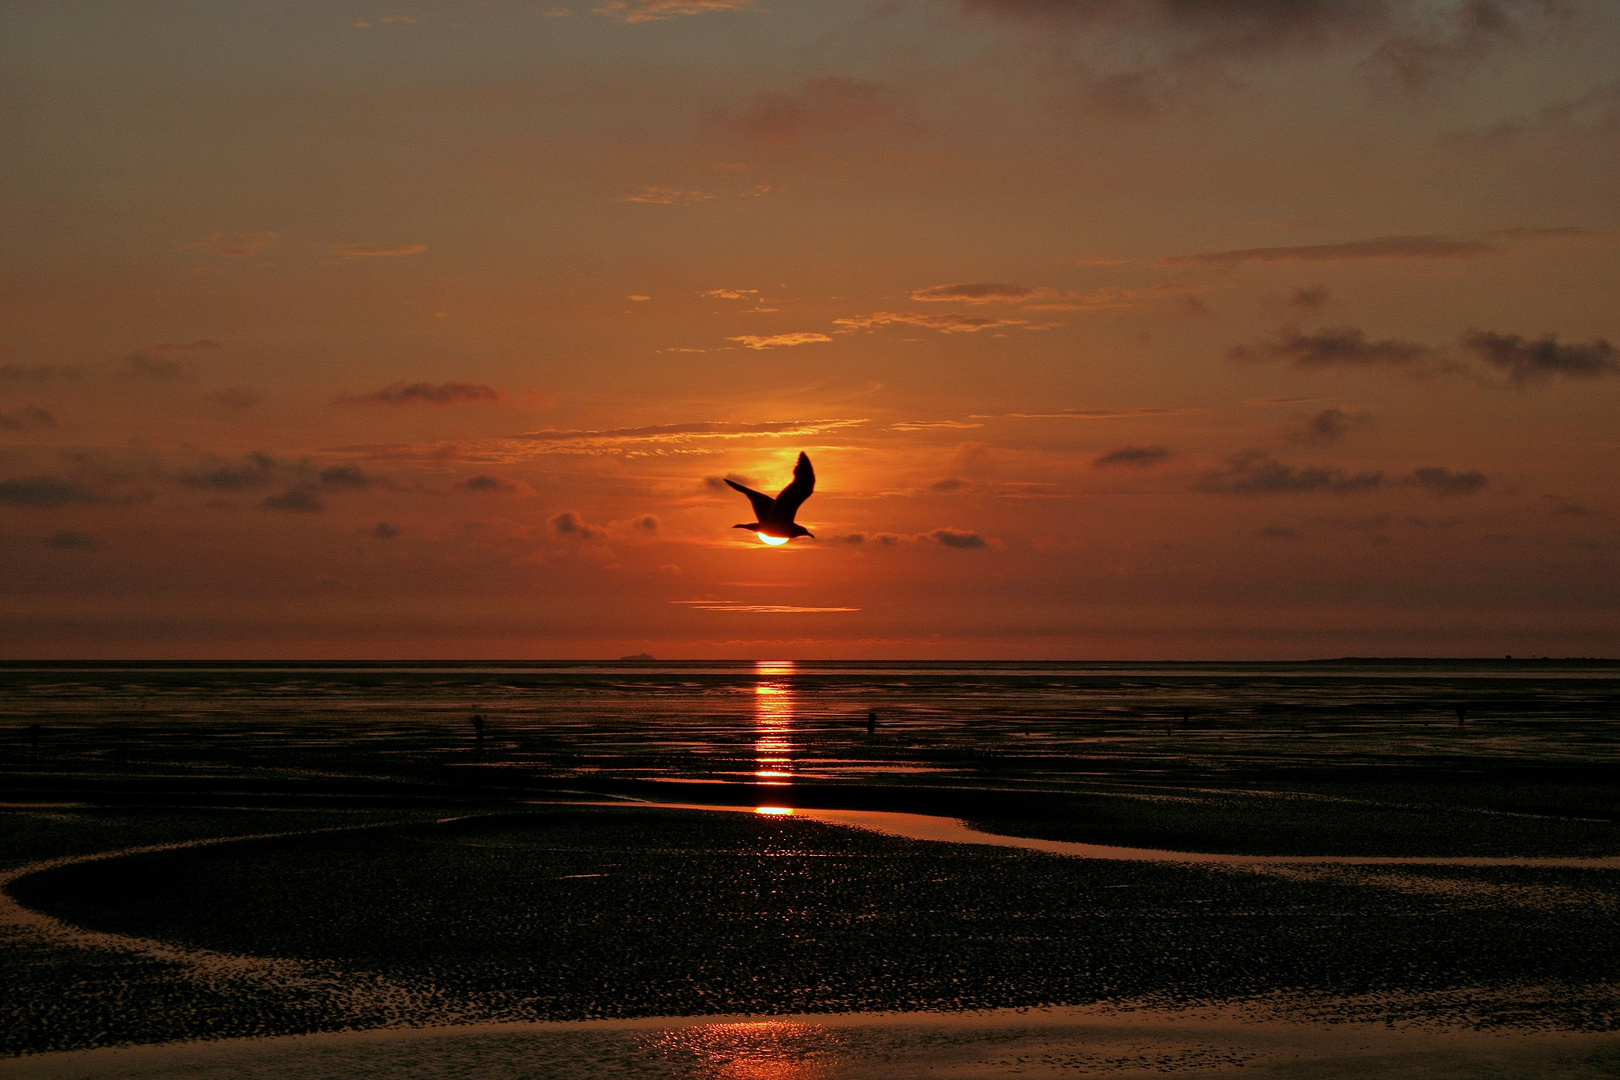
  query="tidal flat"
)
[{"x": 219, "y": 854}]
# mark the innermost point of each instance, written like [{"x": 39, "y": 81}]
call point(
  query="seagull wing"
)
[
  {"x": 763, "y": 504},
  {"x": 793, "y": 496}
]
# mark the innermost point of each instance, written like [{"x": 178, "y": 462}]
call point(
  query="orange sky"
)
[{"x": 1115, "y": 328}]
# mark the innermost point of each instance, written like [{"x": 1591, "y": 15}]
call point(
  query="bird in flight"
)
[{"x": 775, "y": 523}]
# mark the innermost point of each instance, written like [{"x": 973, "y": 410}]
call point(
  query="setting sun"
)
[{"x": 774, "y": 541}]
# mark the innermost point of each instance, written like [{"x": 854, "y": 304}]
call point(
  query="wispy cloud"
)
[
  {"x": 425, "y": 393},
  {"x": 640, "y": 11},
  {"x": 986, "y": 292},
  {"x": 1383, "y": 247},
  {"x": 778, "y": 341},
  {"x": 27, "y": 418},
  {"x": 931, "y": 425},
  {"x": 739, "y": 607},
  {"x": 664, "y": 196},
  {"x": 1134, "y": 457},
  {"x": 376, "y": 251},
  {"x": 1084, "y": 414},
  {"x": 821, "y": 106},
  {"x": 945, "y": 323}
]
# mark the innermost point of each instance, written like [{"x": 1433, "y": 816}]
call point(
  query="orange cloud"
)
[
  {"x": 639, "y": 11},
  {"x": 663, "y": 196},
  {"x": 948, "y": 323},
  {"x": 778, "y": 341}
]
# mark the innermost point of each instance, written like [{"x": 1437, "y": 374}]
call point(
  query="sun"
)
[{"x": 774, "y": 541}]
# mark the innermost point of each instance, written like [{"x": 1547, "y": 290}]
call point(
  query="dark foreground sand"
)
[
  {"x": 1047, "y": 1043},
  {"x": 593, "y": 912}
]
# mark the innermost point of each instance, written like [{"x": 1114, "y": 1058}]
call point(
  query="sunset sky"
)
[{"x": 1226, "y": 329}]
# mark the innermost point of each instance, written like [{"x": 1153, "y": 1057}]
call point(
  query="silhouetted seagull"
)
[{"x": 775, "y": 516}]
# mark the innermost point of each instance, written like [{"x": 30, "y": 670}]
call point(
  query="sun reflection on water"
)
[
  {"x": 753, "y": 1050},
  {"x": 773, "y": 722}
]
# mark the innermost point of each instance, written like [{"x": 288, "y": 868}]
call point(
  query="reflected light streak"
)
[
  {"x": 773, "y": 722},
  {"x": 753, "y": 1050},
  {"x": 774, "y": 811}
]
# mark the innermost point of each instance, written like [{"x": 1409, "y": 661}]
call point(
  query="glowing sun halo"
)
[{"x": 774, "y": 541}]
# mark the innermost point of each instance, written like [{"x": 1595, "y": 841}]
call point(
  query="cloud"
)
[
  {"x": 27, "y": 418},
  {"x": 153, "y": 368},
  {"x": 345, "y": 478},
  {"x": 1568, "y": 507},
  {"x": 1477, "y": 28},
  {"x": 657, "y": 439},
  {"x": 71, "y": 541},
  {"x": 758, "y": 609},
  {"x": 1084, "y": 414},
  {"x": 1135, "y": 56},
  {"x": 663, "y": 196},
  {"x": 945, "y": 323},
  {"x": 1255, "y": 472},
  {"x": 1332, "y": 425},
  {"x": 932, "y": 425},
  {"x": 1310, "y": 298},
  {"x": 45, "y": 493},
  {"x": 255, "y": 470},
  {"x": 39, "y": 373},
  {"x": 236, "y": 245},
  {"x": 718, "y": 483},
  {"x": 975, "y": 293},
  {"x": 950, "y": 483},
  {"x": 778, "y": 341},
  {"x": 640, "y": 11},
  {"x": 373, "y": 251},
  {"x": 302, "y": 500},
  {"x": 1592, "y": 115},
  {"x": 384, "y": 531},
  {"x": 648, "y": 523},
  {"x": 1136, "y": 457},
  {"x": 1343, "y": 346},
  {"x": 237, "y": 397},
  {"x": 1539, "y": 360},
  {"x": 1440, "y": 481},
  {"x": 732, "y": 294},
  {"x": 1280, "y": 532},
  {"x": 958, "y": 538},
  {"x": 1384, "y": 247},
  {"x": 571, "y": 526},
  {"x": 483, "y": 484},
  {"x": 821, "y": 106},
  {"x": 425, "y": 393},
  {"x": 201, "y": 345}
]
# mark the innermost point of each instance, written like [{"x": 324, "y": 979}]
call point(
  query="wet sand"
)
[
  {"x": 1037, "y": 1044},
  {"x": 278, "y": 854}
]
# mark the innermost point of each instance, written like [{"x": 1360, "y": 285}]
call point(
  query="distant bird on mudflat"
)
[{"x": 775, "y": 523}]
